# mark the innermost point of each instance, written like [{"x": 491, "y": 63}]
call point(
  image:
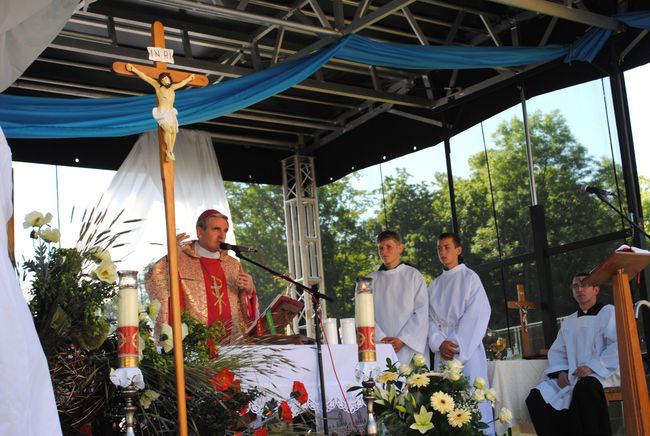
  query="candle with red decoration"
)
[
  {"x": 127, "y": 320},
  {"x": 365, "y": 320}
]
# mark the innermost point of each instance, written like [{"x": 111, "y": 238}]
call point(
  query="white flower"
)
[
  {"x": 50, "y": 235},
  {"x": 36, "y": 219},
  {"x": 505, "y": 415},
  {"x": 455, "y": 365},
  {"x": 491, "y": 396},
  {"x": 167, "y": 336},
  {"x": 101, "y": 254},
  {"x": 479, "y": 395},
  {"x": 405, "y": 369},
  {"x": 418, "y": 360},
  {"x": 106, "y": 272},
  {"x": 148, "y": 397},
  {"x": 479, "y": 383},
  {"x": 454, "y": 376}
]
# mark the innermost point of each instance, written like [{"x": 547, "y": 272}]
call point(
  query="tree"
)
[
  {"x": 347, "y": 243},
  {"x": 258, "y": 217}
]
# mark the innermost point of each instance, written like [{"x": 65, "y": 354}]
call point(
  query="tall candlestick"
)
[
  {"x": 127, "y": 320},
  {"x": 365, "y": 320}
]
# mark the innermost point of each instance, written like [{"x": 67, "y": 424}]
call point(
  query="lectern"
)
[{"x": 617, "y": 269}]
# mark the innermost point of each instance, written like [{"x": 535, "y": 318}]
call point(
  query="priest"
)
[
  {"x": 582, "y": 361},
  {"x": 400, "y": 300},
  {"x": 213, "y": 285},
  {"x": 459, "y": 312}
]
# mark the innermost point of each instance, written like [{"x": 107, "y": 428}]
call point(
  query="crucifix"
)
[
  {"x": 523, "y": 306},
  {"x": 166, "y": 83}
]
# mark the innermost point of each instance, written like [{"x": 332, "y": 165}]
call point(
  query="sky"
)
[{"x": 583, "y": 106}]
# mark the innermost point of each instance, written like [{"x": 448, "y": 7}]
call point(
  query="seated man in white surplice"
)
[{"x": 582, "y": 360}]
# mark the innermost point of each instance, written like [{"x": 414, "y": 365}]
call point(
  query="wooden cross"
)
[
  {"x": 523, "y": 306},
  {"x": 161, "y": 57}
]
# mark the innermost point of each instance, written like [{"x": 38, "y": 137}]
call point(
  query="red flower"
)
[
  {"x": 262, "y": 431},
  {"x": 214, "y": 350},
  {"x": 299, "y": 392},
  {"x": 224, "y": 379},
  {"x": 285, "y": 411},
  {"x": 243, "y": 411}
]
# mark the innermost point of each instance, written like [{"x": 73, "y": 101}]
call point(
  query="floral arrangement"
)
[
  {"x": 412, "y": 399},
  {"x": 216, "y": 401},
  {"x": 71, "y": 289},
  {"x": 70, "y": 286}
]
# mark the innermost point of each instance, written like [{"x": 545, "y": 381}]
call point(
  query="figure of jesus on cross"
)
[{"x": 164, "y": 113}]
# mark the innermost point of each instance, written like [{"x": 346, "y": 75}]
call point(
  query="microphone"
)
[
  {"x": 597, "y": 191},
  {"x": 237, "y": 248}
]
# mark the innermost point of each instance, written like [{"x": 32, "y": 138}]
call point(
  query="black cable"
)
[
  {"x": 496, "y": 228},
  {"x": 611, "y": 148},
  {"x": 383, "y": 197}
]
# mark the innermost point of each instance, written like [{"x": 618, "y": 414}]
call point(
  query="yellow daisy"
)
[
  {"x": 418, "y": 380},
  {"x": 442, "y": 402},
  {"x": 459, "y": 417},
  {"x": 386, "y": 377}
]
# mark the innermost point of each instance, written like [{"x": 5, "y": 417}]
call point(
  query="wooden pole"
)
[
  {"x": 167, "y": 174},
  {"x": 636, "y": 404}
]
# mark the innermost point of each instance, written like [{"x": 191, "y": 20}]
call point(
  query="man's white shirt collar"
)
[{"x": 207, "y": 253}]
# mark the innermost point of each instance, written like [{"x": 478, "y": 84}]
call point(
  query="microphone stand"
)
[
  {"x": 315, "y": 298},
  {"x": 602, "y": 198}
]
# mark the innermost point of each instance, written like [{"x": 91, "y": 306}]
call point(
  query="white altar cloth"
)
[
  {"x": 513, "y": 380},
  {"x": 304, "y": 368}
]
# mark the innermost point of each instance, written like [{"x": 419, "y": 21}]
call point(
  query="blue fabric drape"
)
[{"x": 35, "y": 117}]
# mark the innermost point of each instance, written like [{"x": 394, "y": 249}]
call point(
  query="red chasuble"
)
[{"x": 216, "y": 289}]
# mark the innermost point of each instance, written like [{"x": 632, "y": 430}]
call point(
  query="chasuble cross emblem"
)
[{"x": 217, "y": 287}]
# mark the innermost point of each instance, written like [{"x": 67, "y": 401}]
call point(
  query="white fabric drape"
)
[
  {"x": 26, "y": 28},
  {"x": 26, "y": 398},
  {"x": 137, "y": 188}
]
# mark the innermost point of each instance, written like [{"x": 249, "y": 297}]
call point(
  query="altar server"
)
[
  {"x": 26, "y": 398},
  {"x": 582, "y": 361},
  {"x": 400, "y": 300},
  {"x": 459, "y": 312}
]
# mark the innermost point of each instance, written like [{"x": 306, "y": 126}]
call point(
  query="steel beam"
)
[
  {"x": 566, "y": 13},
  {"x": 376, "y": 15}
]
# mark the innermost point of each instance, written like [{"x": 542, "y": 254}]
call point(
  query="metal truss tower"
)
[{"x": 304, "y": 250}]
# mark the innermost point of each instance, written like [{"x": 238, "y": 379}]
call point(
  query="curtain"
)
[
  {"x": 34, "y": 117},
  {"x": 136, "y": 188},
  {"x": 26, "y": 28},
  {"x": 27, "y": 404}
]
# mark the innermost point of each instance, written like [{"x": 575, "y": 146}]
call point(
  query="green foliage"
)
[
  {"x": 68, "y": 296},
  {"x": 347, "y": 242},
  {"x": 258, "y": 217},
  {"x": 351, "y": 218}
]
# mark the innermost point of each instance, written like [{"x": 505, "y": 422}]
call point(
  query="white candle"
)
[
  {"x": 127, "y": 307},
  {"x": 127, "y": 320},
  {"x": 329, "y": 328},
  {"x": 348, "y": 331},
  {"x": 364, "y": 310}
]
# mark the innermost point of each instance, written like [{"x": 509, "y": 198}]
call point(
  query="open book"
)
[{"x": 275, "y": 317}]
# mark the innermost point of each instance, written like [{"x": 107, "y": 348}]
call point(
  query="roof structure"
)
[{"x": 348, "y": 115}]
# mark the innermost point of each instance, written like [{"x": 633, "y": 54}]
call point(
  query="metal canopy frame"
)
[{"x": 225, "y": 39}]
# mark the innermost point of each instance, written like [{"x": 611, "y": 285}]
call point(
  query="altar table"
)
[
  {"x": 513, "y": 380},
  {"x": 304, "y": 367}
]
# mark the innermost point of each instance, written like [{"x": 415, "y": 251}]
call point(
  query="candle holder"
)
[
  {"x": 128, "y": 376},
  {"x": 127, "y": 320},
  {"x": 367, "y": 367}
]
